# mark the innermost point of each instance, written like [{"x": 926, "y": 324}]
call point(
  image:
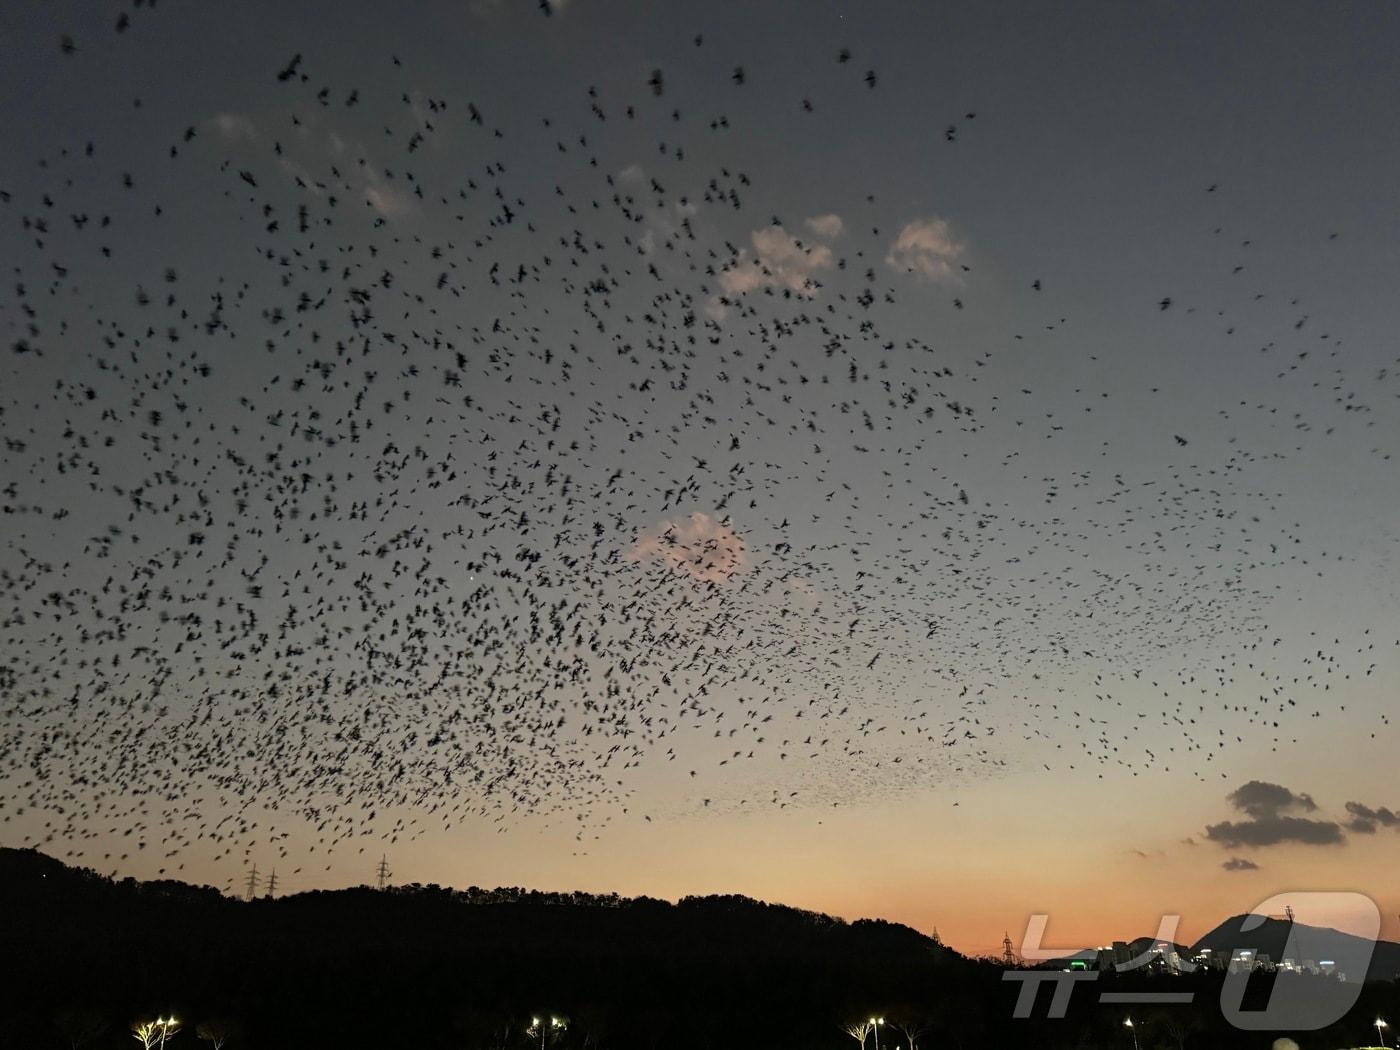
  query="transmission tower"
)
[
  {"x": 1288, "y": 912},
  {"x": 1008, "y": 953},
  {"x": 383, "y": 871},
  {"x": 252, "y": 882},
  {"x": 272, "y": 884}
]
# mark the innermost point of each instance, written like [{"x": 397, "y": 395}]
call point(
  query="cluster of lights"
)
[
  {"x": 167, "y": 1023},
  {"x": 536, "y": 1025}
]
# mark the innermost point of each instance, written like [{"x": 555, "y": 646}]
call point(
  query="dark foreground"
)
[{"x": 82, "y": 958}]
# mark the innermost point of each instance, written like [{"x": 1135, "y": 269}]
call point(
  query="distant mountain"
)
[
  {"x": 1316, "y": 943},
  {"x": 1137, "y": 948}
]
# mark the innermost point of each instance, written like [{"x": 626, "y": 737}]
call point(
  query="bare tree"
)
[
  {"x": 218, "y": 1031},
  {"x": 147, "y": 1033},
  {"x": 1179, "y": 1025},
  {"x": 913, "y": 1028},
  {"x": 81, "y": 1026},
  {"x": 858, "y": 1030},
  {"x": 154, "y": 1033}
]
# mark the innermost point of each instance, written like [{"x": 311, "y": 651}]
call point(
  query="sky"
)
[{"x": 631, "y": 448}]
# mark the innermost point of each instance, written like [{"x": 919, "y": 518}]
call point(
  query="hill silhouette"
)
[
  {"x": 1351, "y": 955},
  {"x": 82, "y": 956},
  {"x": 337, "y": 966}
]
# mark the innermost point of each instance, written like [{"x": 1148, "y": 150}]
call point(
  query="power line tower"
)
[
  {"x": 1288, "y": 912},
  {"x": 272, "y": 884},
  {"x": 383, "y": 872},
  {"x": 1008, "y": 953},
  {"x": 252, "y": 882}
]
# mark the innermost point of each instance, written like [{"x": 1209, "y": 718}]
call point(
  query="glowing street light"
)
[
  {"x": 536, "y": 1024},
  {"x": 875, "y": 1023},
  {"x": 152, "y": 1034},
  {"x": 1380, "y": 1034},
  {"x": 1128, "y": 1024}
]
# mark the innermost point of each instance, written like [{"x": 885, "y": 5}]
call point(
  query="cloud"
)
[
  {"x": 1239, "y": 864},
  {"x": 927, "y": 248},
  {"x": 235, "y": 126},
  {"x": 1364, "y": 819},
  {"x": 1272, "y": 831},
  {"x": 699, "y": 546},
  {"x": 1261, "y": 799},
  {"x": 828, "y": 226},
  {"x": 779, "y": 260},
  {"x": 315, "y": 148},
  {"x": 385, "y": 201},
  {"x": 1270, "y": 824}
]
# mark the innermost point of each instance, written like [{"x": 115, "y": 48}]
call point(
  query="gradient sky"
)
[{"x": 1129, "y": 628}]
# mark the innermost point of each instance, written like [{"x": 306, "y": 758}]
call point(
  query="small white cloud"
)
[
  {"x": 828, "y": 226},
  {"x": 927, "y": 248},
  {"x": 715, "y": 309},
  {"x": 235, "y": 127},
  {"x": 385, "y": 201},
  {"x": 779, "y": 260}
]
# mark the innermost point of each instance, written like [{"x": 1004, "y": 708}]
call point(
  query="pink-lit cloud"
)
[
  {"x": 928, "y": 249},
  {"x": 779, "y": 260},
  {"x": 828, "y": 226},
  {"x": 697, "y": 545}
]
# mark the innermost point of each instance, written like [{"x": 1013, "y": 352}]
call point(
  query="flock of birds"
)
[{"x": 348, "y": 489}]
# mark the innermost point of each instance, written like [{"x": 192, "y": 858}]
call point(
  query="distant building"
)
[
  {"x": 1210, "y": 959},
  {"x": 1242, "y": 961}
]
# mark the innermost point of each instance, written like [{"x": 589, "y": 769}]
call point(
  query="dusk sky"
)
[{"x": 919, "y": 461}]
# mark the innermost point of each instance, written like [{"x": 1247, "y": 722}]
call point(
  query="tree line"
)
[{"x": 88, "y": 962}]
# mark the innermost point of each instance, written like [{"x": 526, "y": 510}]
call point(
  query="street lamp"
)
[
  {"x": 1128, "y": 1023},
  {"x": 1379, "y": 1033},
  {"x": 536, "y": 1023},
  {"x": 166, "y": 1024},
  {"x": 875, "y": 1023}
]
